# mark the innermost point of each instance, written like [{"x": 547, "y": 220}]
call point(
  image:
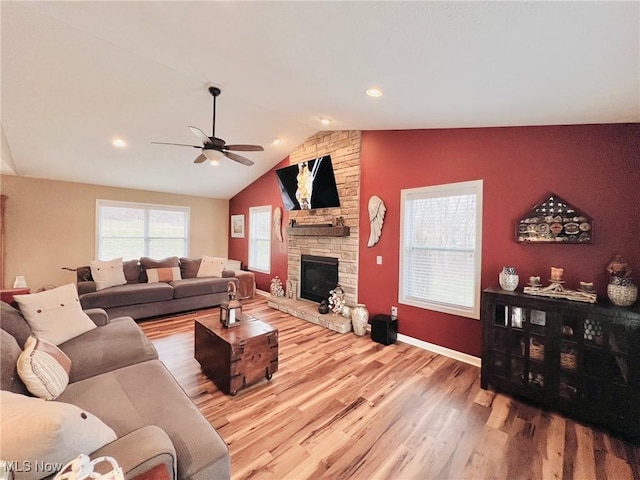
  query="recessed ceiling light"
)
[
  {"x": 325, "y": 120},
  {"x": 276, "y": 141},
  {"x": 374, "y": 92},
  {"x": 120, "y": 143}
]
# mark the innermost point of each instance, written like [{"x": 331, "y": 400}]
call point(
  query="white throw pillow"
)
[
  {"x": 34, "y": 430},
  {"x": 43, "y": 368},
  {"x": 108, "y": 274},
  {"x": 55, "y": 315},
  {"x": 165, "y": 274},
  {"x": 211, "y": 266}
]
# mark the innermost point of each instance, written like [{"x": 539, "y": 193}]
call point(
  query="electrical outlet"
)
[{"x": 394, "y": 311}]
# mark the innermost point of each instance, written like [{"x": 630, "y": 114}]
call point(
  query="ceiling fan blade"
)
[
  {"x": 244, "y": 148},
  {"x": 201, "y": 158},
  {"x": 178, "y": 144},
  {"x": 238, "y": 158},
  {"x": 200, "y": 135}
]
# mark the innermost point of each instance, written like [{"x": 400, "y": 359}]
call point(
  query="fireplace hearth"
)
[{"x": 318, "y": 275}]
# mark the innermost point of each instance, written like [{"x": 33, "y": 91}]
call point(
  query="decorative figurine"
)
[
  {"x": 276, "y": 287},
  {"x": 336, "y": 299}
]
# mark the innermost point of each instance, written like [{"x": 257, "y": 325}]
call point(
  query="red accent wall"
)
[
  {"x": 263, "y": 191},
  {"x": 594, "y": 167}
]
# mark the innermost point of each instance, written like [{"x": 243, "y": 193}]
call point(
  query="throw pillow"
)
[
  {"x": 44, "y": 368},
  {"x": 47, "y": 432},
  {"x": 166, "y": 274},
  {"x": 147, "y": 263},
  {"x": 108, "y": 274},
  {"x": 233, "y": 265},
  {"x": 211, "y": 266},
  {"x": 55, "y": 315},
  {"x": 189, "y": 267}
]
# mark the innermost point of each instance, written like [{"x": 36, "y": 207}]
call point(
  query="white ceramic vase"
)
[
  {"x": 360, "y": 319},
  {"x": 508, "y": 279}
]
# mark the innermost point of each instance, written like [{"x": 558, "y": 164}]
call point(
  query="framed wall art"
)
[
  {"x": 237, "y": 226},
  {"x": 555, "y": 220}
]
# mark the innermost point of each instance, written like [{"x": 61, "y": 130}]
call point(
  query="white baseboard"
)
[{"x": 447, "y": 352}]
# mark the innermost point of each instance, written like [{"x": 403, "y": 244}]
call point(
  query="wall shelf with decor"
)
[{"x": 578, "y": 358}]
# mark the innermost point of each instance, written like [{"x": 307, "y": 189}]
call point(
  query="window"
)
[
  {"x": 440, "y": 256},
  {"x": 260, "y": 239},
  {"x": 133, "y": 230}
]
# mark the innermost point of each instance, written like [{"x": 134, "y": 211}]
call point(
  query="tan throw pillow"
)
[
  {"x": 44, "y": 368},
  {"x": 167, "y": 274},
  {"x": 34, "y": 430},
  {"x": 108, "y": 274},
  {"x": 55, "y": 315},
  {"x": 211, "y": 266},
  {"x": 233, "y": 265}
]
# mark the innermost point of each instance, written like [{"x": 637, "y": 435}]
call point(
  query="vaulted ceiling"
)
[{"x": 77, "y": 75}]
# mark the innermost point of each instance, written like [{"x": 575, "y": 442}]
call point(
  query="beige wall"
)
[{"x": 50, "y": 225}]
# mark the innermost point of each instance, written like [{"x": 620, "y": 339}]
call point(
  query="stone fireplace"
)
[
  {"x": 344, "y": 148},
  {"x": 318, "y": 276}
]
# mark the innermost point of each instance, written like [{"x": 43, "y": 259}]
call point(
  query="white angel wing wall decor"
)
[{"x": 376, "y": 217}]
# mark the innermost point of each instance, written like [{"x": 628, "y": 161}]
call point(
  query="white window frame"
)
[
  {"x": 474, "y": 187},
  {"x": 146, "y": 207},
  {"x": 253, "y": 237}
]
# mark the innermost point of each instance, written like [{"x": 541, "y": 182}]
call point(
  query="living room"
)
[{"x": 587, "y": 150}]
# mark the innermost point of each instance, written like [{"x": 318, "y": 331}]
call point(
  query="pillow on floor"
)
[
  {"x": 55, "y": 315},
  {"x": 43, "y": 368},
  {"x": 211, "y": 266},
  {"x": 166, "y": 274},
  {"x": 108, "y": 274},
  {"x": 47, "y": 432}
]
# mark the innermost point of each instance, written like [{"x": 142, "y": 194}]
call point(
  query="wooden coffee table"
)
[{"x": 236, "y": 357}]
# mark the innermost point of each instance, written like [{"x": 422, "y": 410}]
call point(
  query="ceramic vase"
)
[
  {"x": 508, "y": 279},
  {"x": 360, "y": 319},
  {"x": 622, "y": 293}
]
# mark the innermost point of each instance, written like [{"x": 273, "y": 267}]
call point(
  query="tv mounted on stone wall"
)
[{"x": 309, "y": 184}]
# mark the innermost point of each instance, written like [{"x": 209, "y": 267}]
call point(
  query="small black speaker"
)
[{"x": 384, "y": 329}]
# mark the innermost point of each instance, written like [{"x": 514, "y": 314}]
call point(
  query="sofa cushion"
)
[
  {"x": 44, "y": 368},
  {"x": 191, "y": 287},
  {"x": 189, "y": 267},
  {"x": 108, "y": 273},
  {"x": 14, "y": 323},
  {"x": 166, "y": 274},
  {"x": 147, "y": 263},
  {"x": 37, "y": 431},
  {"x": 55, "y": 315},
  {"x": 211, "y": 266},
  {"x": 132, "y": 271},
  {"x": 130, "y": 294},
  {"x": 9, "y": 378},
  {"x": 118, "y": 344},
  {"x": 126, "y": 400}
]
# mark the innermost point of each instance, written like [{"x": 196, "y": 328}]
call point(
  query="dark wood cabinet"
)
[{"x": 578, "y": 358}]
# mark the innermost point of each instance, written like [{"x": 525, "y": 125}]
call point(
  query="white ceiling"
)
[{"x": 75, "y": 75}]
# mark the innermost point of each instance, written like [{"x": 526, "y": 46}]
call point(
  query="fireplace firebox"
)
[{"x": 318, "y": 276}]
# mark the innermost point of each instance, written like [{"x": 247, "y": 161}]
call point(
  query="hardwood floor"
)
[{"x": 344, "y": 407}]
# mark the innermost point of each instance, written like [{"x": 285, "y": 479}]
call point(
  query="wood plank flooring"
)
[{"x": 344, "y": 407}]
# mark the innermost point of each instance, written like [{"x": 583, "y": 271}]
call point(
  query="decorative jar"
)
[
  {"x": 360, "y": 319},
  {"x": 509, "y": 279},
  {"x": 622, "y": 292}
]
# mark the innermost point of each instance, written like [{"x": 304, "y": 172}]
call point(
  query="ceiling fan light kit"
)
[{"x": 214, "y": 148}]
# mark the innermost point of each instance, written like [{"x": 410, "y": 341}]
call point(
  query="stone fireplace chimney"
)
[{"x": 344, "y": 148}]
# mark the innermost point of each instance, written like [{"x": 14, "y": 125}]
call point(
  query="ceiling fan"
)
[{"x": 214, "y": 148}]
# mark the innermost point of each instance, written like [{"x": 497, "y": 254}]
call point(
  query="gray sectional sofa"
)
[
  {"x": 116, "y": 375},
  {"x": 139, "y": 299}
]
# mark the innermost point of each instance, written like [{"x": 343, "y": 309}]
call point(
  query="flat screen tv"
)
[{"x": 308, "y": 185}]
